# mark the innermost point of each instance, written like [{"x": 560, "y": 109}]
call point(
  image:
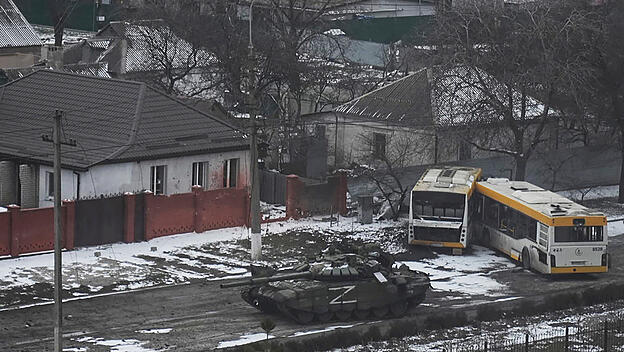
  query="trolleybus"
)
[
  {"x": 541, "y": 229},
  {"x": 440, "y": 208}
]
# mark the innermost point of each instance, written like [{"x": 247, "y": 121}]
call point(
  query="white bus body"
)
[
  {"x": 440, "y": 208},
  {"x": 541, "y": 229}
]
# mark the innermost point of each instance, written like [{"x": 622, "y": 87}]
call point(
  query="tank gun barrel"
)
[{"x": 264, "y": 280}]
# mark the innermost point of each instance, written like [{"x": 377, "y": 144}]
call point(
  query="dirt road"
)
[{"x": 200, "y": 315}]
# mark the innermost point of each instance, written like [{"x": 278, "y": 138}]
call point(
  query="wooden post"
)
[{"x": 567, "y": 338}]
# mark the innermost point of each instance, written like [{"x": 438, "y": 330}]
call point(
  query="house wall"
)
[
  {"x": 352, "y": 142},
  {"x": 19, "y": 57},
  {"x": 108, "y": 179},
  {"x": 8, "y": 182}
]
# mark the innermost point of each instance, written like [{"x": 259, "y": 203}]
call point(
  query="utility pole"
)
[
  {"x": 256, "y": 239},
  {"x": 58, "y": 230}
]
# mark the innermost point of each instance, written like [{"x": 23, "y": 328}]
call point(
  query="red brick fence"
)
[{"x": 137, "y": 217}]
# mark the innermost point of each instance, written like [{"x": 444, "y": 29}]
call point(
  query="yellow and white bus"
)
[
  {"x": 544, "y": 231},
  {"x": 441, "y": 208}
]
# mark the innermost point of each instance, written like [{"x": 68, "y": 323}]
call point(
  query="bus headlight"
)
[{"x": 553, "y": 261}]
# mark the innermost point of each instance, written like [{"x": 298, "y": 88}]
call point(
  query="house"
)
[
  {"x": 420, "y": 113},
  {"x": 19, "y": 44},
  {"x": 129, "y": 137},
  {"x": 140, "y": 50}
]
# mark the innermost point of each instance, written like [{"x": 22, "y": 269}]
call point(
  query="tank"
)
[{"x": 336, "y": 286}]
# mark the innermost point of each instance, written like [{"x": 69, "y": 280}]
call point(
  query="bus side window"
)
[
  {"x": 491, "y": 212},
  {"x": 532, "y": 234}
]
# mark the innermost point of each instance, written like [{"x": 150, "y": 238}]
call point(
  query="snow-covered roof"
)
[
  {"x": 15, "y": 31},
  {"x": 460, "y": 95},
  {"x": 148, "y": 43},
  {"x": 449, "y": 179}
]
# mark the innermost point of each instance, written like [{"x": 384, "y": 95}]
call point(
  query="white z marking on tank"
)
[{"x": 338, "y": 300}]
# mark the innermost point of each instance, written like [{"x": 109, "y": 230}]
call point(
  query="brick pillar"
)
[
  {"x": 14, "y": 210},
  {"x": 294, "y": 188},
  {"x": 149, "y": 201},
  {"x": 196, "y": 208},
  {"x": 29, "y": 179},
  {"x": 129, "y": 209},
  {"x": 69, "y": 226},
  {"x": 341, "y": 194}
]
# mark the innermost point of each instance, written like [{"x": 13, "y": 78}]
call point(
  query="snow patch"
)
[
  {"x": 124, "y": 345},
  {"x": 245, "y": 339},
  {"x": 468, "y": 274},
  {"x": 155, "y": 331}
]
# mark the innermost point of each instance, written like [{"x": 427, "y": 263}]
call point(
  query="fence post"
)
[
  {"x": 14, "y": 211},
  {"x": 526, "y": 343},
  {"x": 148, "y": 204},
  {"x": 196, "y": 191},
  {"x": 567, "y": 338},
  {"x": 129, "y": 216},
  {"x": 70, "y": 223},
  {"x": 485, "y": 347},
  {"x": 293, "y": 197}
]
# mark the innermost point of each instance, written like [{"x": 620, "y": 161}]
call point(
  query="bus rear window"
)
[
  {"x": 578, "y": 234},
  {"x": 438, "y": 204}
]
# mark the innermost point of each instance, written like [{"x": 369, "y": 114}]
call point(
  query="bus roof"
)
[
  {"x": 538, "y": 203},
  {"x": 450, "y": 179}
]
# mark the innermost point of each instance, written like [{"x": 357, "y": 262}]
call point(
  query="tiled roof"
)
[
  {"x": 14, "y": 29},
  {"x": 146, "y": 40},
  {"x": 405, "y": 101},
  {"x": 112, "y": 120}
]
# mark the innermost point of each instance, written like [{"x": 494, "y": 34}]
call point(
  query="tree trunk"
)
[
  {"x": 521, "y": 164},
  {"x": 58, "y": 35}
]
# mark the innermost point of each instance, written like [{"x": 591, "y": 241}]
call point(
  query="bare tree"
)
[
  {"x": 500, "y": 69},
  {"x": 385, "y": 162},
  {"x": 59, "y": 11},
  {"x": 604, "y": 83}
]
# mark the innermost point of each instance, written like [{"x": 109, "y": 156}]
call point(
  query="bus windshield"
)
[
  {"x": 578, "y": 234},
  {"x": 438, "y": 204}
]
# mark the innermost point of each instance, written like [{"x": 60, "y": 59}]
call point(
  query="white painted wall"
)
[{"x": 135, "y": 176}]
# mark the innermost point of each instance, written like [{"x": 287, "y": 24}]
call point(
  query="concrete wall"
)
[{"x": 107, "y": 179}]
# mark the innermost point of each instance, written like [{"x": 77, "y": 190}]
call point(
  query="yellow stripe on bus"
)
[
  {"x": 437, "y": 243},
  {"x": 544, "y": 219},
  {"x": 578, "y": 269}
]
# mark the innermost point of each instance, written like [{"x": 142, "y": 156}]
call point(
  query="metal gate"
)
[
  {"x": 99, "y": 221},
  {"x": 272, "y": 187}
]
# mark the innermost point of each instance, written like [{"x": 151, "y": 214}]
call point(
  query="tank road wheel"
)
[
  {"x": 398, "y": 309},
  {"x": 304, "y": 317},
  {"x": 380, "y": 312},
  {"x": 526, "y": 259},
  {"x": 343, "y": 315},
  {"x": 324, "y": 317},
  {"x": 361, "y": 314}
]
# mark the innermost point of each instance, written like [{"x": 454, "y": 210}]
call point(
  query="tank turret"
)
[{"x": 339, "y": 286}]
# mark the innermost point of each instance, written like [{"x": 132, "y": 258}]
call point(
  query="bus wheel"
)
[{"x": 526, "y": 259}]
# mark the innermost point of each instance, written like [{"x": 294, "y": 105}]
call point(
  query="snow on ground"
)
[
  {"x": 245, "y": 339},
  {"x": 539, "y": 327},
  {"x": 591, "y": 193},
  {"x": 70, "y": 36},
  {"x": 125, "y": 345},
  {"x": 469, "y": 274},
  {"x": 2, "y": 210}
]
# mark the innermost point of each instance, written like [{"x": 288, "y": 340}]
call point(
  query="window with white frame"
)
[
  {"x": 230, "y": 173},
  {"x": 50, "y": 184},
  {"x": 200, "y": 174},
  {"x": 158, "y": 176}
]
